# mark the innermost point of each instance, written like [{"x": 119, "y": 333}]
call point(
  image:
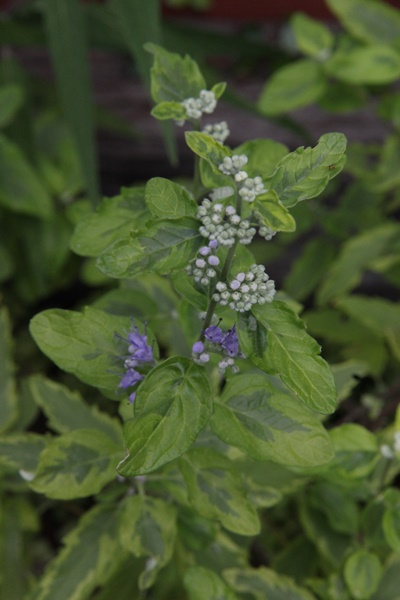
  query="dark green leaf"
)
[
  {"x": 362, "y": 572},
  {"x": 263, "y": 155},
  {"x": 168, "y": 200},
  {"x": 172, "y": 406},
  {"x": 166, "y": 246},
  {"x": 11, "y": 98},
  {"x": 275, "y": 340},
  {"x": 8, "y": 391}
]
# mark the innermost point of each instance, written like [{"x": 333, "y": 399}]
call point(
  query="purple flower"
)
[
  {"x": 138, "y": 347},
  {"x": 198, "y": 347},
  {"x": 130, "y": 378},
  {"x": 214, "y": 334},
  {"x": 132, "y": 397},
  {"x": 230, "y": 342}
]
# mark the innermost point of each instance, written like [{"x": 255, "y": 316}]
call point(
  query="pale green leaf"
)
[
  {"x": 216, "y": 491},
  {"x": 374, "y": 65},
  {"x": 275, "y": 340},
  {"x": 356, "y": 452},
  {"x": 312, "y": 37},
  {"x": 173, "y": 404},
  {"x": 267, "y": 424},
  {"x": 77, "y": 464},
  {"x": 305, "y": 173},
  {"x": 169, "y": 110},
  {"x": 206, "y": 147},
  {"x": 201, "y": 583},
  {"x": 291, "y": 87},
  {"x": 362, "y": 572},
  {"x": 66, "y": 410},
  {"x": 263, "y": 583},
  {"x": 22, "y": 451},
  {"x": 272, "y": 213}
]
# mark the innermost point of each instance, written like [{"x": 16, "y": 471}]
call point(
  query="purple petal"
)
[{"x": 214, "y": 334}]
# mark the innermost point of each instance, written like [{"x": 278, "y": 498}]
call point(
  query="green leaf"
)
[
  {"x": 166, "y": 246},
  {"x": 77, "y": 464},
  {"x": 264, "y": 583},
  {"x": 356, "y": 453},
  {"x": 66, "y": 410},
  {"x": 291, "y": 87},
  {"x": 21, "y": 190},
  {"x": 113, "y": 219},
  {"x": 68, "y": 49},
  {"x": 373, "y": 65},
  {"x": 275, "y": 340},
  {"x": 347, "y": 376},
  {"x": 90, "y": 553},
  {"x": 216, "y": 491},
  {"x": 305, "y": 173},
  {"x": 309, "y": 268},
  {"x": 272, "y": 213},
  {"x": 173, "y": 404},
  {"x": 22, "y": 451},
  {"x": 206, "y": 147},
  {"x": 267, "y": 424},
  {"x": 370, "y": 21},
  {"x": 312, "y": 37},
  {"x": 168, "y": 200},
  {"x": 81, "y": 343},
  {"x": 362, "y": 572},
  {"x": 391, "y": 518},
  {"x": 263, "y": 156},
  {"x": 174, "y": 78},
  {"x": 390, "y": 582},
  {"x": 8, "y": 391},
  {"x": 355, "y": 256},
  {"x": 218, "y": 89},
  {"x": 339, "y": 507},
  {"x": 184, "y": 285},
  {"x": 380, "y": 316},
  {"x": 201, "y": 583},
  {"x": 11, "y": 99},
  {"x": 148, "y": 528},
  {"x": 169, "y": 110}
]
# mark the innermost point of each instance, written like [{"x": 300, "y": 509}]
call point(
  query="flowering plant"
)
[{"x": 206, "y": 396}]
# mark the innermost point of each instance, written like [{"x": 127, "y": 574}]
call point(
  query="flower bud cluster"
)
[
  {"x": 223, "y": 224},
  {"x": 203, "y": 267},
  {"x": 220, "y": 342},
  {"x": 218, "y": 131},
  {"x": 249, "y": 187},
  {"x": 139, "y": 352},
  {"x": 205, "y": 103},
  {"x": 246, "y": 289}
]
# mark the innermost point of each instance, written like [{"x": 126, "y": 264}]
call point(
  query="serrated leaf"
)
[
  {"x": 203, "y": 583},
  {"x": 91, "y": 552},
  {"x": 173, "y": 404},
  {"x": 362, "y": 572},
  {"x": 148, "y": 528},
  {"x": 274, "y": 338},
  {"x": 66, "y": 410},
  {"x": 8, "y": 391},
  {"x": 305, "y": 173},
  {"x": 370, "y": 65},
  {"x": 174, "y": 78},
  {"x": 21, "y": 190},
  {"x": 267, "y": 424},
  {"x": 355, "y": 256},
  {"x": 265, "y": 583},
  {"x": 82, "y": 343},
  {"x": 77, "y": 464},
  {"x": 216, "y": 491},
  {"x": 11, "y": 99},
  {"x": 273, "y": 214},
  {"x": 370, "y": 21},
  {"x": 168, "y": 200},
  {"x": 311, "y": 36},
  {"x": 291, "y": 87},
  {"x": 166, "y": 246},
  {"x": 113, "y": 219},
  {"x": 206, "y": 147},
  {"x": 169, "y": 110}
]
